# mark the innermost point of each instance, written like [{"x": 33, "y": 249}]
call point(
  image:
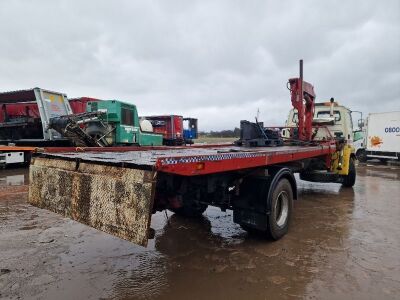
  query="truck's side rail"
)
[{"x": 231, "y": 161}]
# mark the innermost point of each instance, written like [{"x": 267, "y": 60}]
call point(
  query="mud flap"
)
[{"x": 113, "y": 199}]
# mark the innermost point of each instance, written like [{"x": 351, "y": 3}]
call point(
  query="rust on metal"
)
[{"x": 116, "y": 200}]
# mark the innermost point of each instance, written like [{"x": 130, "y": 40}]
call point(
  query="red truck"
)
[
  {"x": 25, "y": 116},
  {"x": 79, "y": 105},
  {"x": 116, "y": 190},
  {"x": 30, "y": 109},
  {"x": 18, "y": 110},
  {"x": 175, "y": 129},
  {"x": 170, "y": 126}
]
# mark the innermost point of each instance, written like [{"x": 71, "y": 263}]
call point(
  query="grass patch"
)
[{"x": 215, "y": 140}]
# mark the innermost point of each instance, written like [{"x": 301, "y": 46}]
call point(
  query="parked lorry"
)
[
  {"x": 24, "y": 120},
  {"x": 107, "y": 123},
  {"x": 170, "y": 126},
  {"x": 39, "y": 117},
  {"x": 26, "y": 114},
  {"x": 359, "y": 144},
  {"x": 117, "y": 192},
  {"x": 175, "y": 129},
  {"x": 119, "y": 124},
  {"x": 382, "y": 136},
  {"x": 190, "y": 130}
]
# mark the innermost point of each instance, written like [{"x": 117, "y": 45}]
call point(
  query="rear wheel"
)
[
  {"x": 281, "y": 210},
  {"x": 350, "y": 179}
]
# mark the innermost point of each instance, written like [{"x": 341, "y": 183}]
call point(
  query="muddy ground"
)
[{"x": 342, "y": 244}]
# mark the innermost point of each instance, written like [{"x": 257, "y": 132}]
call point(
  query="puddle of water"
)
[
  {"x": 342, "y": 243},
  {"x": 14, "y": 177}
]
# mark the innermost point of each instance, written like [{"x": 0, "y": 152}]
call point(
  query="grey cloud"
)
[{"x": 216, "y": 60}]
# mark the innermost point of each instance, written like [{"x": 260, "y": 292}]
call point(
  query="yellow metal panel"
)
[{"x": 342, "y": 157}]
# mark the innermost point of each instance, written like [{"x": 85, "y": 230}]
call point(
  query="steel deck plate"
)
[{"x": 147, "y": 159}]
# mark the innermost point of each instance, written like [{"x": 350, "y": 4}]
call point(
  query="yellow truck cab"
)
[{"x": 335, "y": 117}]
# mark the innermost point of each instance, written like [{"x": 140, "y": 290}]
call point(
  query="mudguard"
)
[{"x": 277, "y": 175}]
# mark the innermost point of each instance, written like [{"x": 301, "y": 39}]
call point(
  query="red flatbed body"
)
[
  {"x": 194, "y": 160},
  {"x": 117, "y": 189}
]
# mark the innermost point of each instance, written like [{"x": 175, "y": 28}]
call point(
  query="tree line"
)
[{"x": 223, "y": 133}]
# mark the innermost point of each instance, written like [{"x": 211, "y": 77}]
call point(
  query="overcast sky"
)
[{"x": 218, "y": 61}]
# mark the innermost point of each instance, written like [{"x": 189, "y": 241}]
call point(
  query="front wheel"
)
[
  {"x": 361, "y": 155},
  {"x": 350, "y": 179}
]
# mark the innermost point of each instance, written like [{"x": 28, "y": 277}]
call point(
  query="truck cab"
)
[
  {"x": 170, "y": 126},
  {"x": 359, "y": 144},
  {"x": 335, "y": 117},
  {"x": 120, "y": 125},
  {"x": 190, "y": 130},
  {"x": 340, "y": 125}
]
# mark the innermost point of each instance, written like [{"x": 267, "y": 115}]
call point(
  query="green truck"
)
[
  {"x": 120, "y": 124},
  {"x": 108, "y": 123}
]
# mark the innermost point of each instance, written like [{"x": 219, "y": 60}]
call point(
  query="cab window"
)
[
  {"x": 327, "y": 114},
  {"x": 126, "y": 116},
  {"x": 295, "y": 118},
  {"x": 358, "y": 135}
]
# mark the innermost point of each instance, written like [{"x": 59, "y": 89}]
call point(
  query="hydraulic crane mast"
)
[{"x": 303, "y": 97}]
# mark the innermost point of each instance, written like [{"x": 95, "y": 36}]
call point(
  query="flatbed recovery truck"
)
[{"x": 116, "y": 190}]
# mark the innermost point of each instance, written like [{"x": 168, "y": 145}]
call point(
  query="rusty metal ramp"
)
[{"x": 113, "y": 199}]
